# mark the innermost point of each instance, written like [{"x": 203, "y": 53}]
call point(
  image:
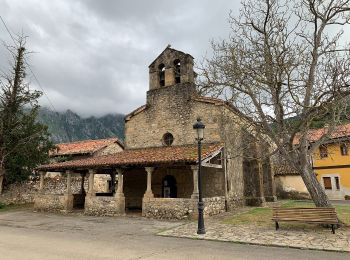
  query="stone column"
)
[
  {"x": 69, "y": 182},
  {"x": 120, "y": 191},
  {"x": 149, "y": 193},
  {"x": 120, "y": 198},
  {"x": 41, "y": 185},
  {"x": 68, "y": 195},
  {"x": 91, "y": 182},
  {"x": 82, "y": 190},
  {"x": 194, "y": 169}
]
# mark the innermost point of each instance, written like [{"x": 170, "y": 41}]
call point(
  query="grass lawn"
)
[
  {"x": 262, "y": 216},
  {"x": 4, "y": 207}
]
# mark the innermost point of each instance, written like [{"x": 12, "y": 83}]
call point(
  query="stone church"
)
[{"x": 157, "y": 171}]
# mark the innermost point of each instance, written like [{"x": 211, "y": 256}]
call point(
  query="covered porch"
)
[{"x": 161, "y": 182}]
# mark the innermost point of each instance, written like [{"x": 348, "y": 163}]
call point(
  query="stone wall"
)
[
  {"x": 22, "y": 193},
  {"x": 181, "y": 208},
  {"x": 110, "y": 149},
  {"x": 213, "y": 182},
  {"x": 104, "y": 206},
  {"x": 168, "y": 208},
  {"x": 171, "y": 110},
  {"x": 53, "y": 202},
  {"x": 183, "y": 177},
  {"x": 214, "y": 205}
]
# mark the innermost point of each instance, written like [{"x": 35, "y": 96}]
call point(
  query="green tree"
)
[{"x": 24, "y": 143}]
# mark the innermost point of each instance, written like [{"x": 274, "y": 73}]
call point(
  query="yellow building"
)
[{"x": 331, "y": 163}]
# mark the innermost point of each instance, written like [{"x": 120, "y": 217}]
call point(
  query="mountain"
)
[{"x": 69, "y": 126}]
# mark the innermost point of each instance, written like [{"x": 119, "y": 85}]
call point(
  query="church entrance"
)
[{"x": 169, "y": 189}]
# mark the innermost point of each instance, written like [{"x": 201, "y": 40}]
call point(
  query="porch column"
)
[
  {"x": 68, "y": 204},
  {"x": 82, "y": 190},
  {"x": 41, "y": 185},
  {"x": 149, "y": 193},
  {"x": 69, "y": 182},
  {"x": 91, "y": 182},
  {"x": 119, "y": 197},
  {"x": 195, "y": 193},
  {"x": 120, "y": 192}
]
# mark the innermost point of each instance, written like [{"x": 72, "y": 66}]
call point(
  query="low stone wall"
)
[
  {"x": 214, "y": 205},
  {"x": 168, "y": 208},
  {"x": 234, "y": 201},
  {"x": 104, "y": 206},
  {"x": 20, "y": 193},
  {"x": 181, "y": 208},
  {"x": 53, "y": 202},
  {"x": 23, "y": 193}
]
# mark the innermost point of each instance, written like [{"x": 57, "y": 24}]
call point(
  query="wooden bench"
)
[{"x": 306, "y": 215}]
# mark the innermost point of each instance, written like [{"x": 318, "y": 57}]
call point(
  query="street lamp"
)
[{"x": 199, "y": 127}]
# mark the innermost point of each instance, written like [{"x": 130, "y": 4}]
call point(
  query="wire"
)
[
  {"x": 7, "y": 29},
  {"x": 30, "y": 69}
]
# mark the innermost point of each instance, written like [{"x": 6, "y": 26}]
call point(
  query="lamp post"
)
[{"x": 199, "y": 127}]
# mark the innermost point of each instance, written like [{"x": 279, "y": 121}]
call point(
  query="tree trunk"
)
[
  {"x": 315, "y": 189},
  {"x": 2, "y": 175}
]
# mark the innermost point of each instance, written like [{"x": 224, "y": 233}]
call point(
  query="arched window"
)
[
  {"x": 177, "y": 71},
  {"x": 168, "y": 139},
  {"x": 161, "y": 68}
]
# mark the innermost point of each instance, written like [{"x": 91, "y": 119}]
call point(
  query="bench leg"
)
[
  {"x": 333, "y": 229},
  {"x": 277, "y": 226}
]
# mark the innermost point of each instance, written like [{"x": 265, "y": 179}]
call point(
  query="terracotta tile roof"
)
[
  {"x": 283, "y": 169},
  {"x": 83, "y": 147},
  {"x": 144, "y": 156},
  {"x": 315, "y": 134}
]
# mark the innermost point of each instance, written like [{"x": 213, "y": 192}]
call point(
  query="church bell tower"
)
[{"x": 170, "y": 68}]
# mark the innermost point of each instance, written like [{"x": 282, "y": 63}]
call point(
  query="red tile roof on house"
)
[
  {"x": 133, "y": 157},
  {"x": 315, "y": 134},
  {"x": 84, "y": 147}
]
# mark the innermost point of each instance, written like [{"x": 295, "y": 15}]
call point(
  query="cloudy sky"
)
[{"x": 92, "y": 56}]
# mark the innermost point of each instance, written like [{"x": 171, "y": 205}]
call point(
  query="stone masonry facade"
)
[{"x": 165, "y": 185}]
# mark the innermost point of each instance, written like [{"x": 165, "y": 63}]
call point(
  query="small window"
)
[
  {"x": 327, "y": 183},
  {"x": 161, "y": 68},
  {"x": 344, "y": 149},
  {"x": 177, "y": 65},
  {"x": 168, "y": 139},
  {"x": 337, "y": 184},
  {"x": 323, "y": 151}
]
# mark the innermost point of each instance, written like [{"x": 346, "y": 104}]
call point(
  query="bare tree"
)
[{"x": 285, "y": 66}]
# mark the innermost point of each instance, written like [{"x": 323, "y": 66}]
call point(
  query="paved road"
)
[{"x": 28, "y": 235}]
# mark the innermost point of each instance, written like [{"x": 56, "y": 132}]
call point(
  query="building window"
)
[
  {"x": 177, "y": 65},
  {"x": 344, "y": 149},
  {"x": 161, "y": 68},
  {"x": 323, "y": 151},
  {"x": 168, "y": 139},
  {"x": 327, "y": 183},
  {"x": 337, "y": 184}
]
